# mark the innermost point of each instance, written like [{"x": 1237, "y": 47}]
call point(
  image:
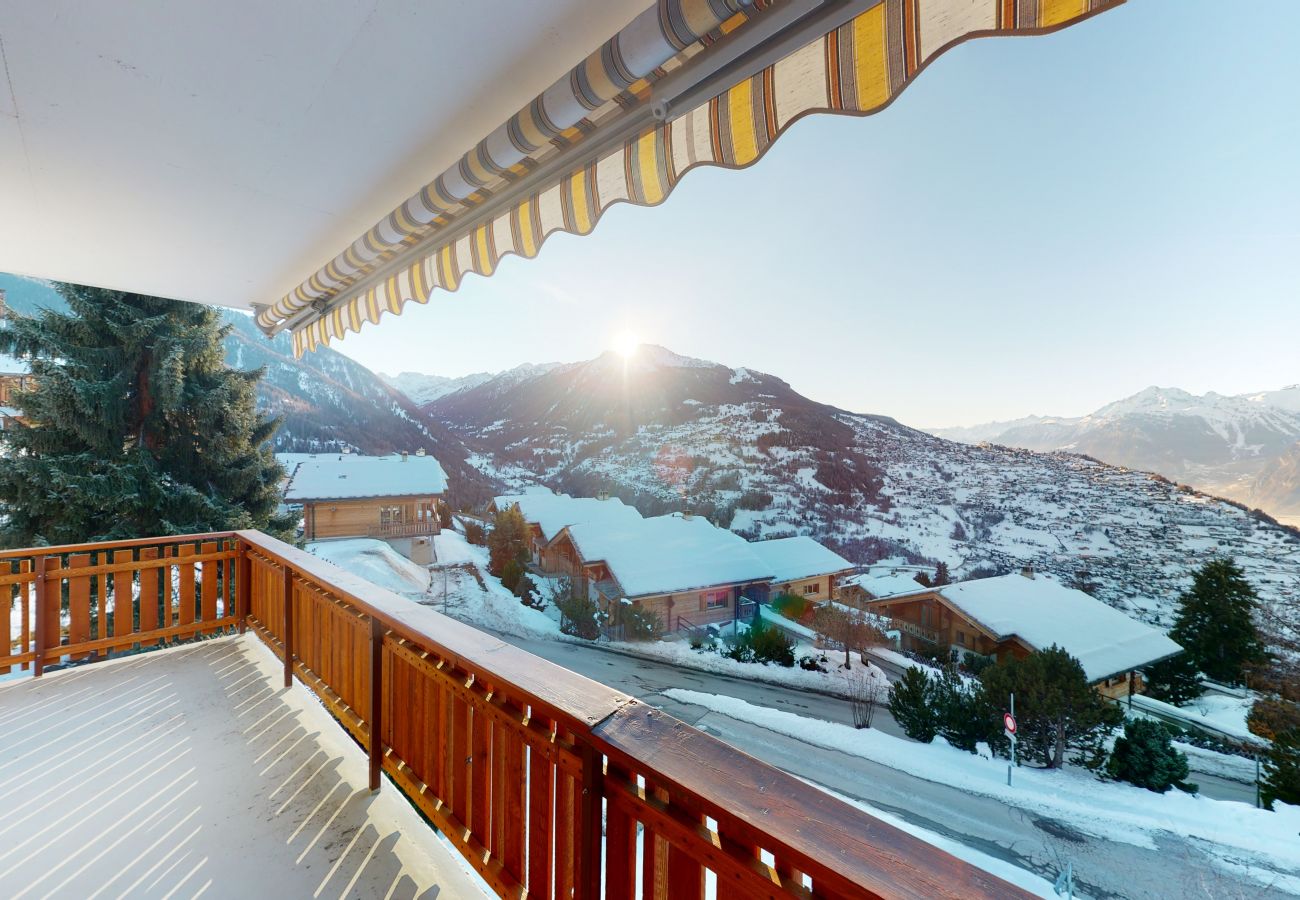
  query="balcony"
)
[
  {"x": 198, "y": 750},
  {"x": 405, "y": 529}
]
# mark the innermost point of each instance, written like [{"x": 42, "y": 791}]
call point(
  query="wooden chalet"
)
[
  {"x": 343, "y": 495},
  {"x": 803, "y": 567},
  {"x": 1015, "y": 615}
]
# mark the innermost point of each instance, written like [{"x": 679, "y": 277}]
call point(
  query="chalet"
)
[
  {"x": 803, "y": 567},
  {"x": 862, "y": 588},
  {"x": 683, "y": 568},
  {"x": 345, "y": 495},
  {"x": 1015, "y": 615},
  {"x": 548, "y": 514},
  {"x": 15, "y": 375}
]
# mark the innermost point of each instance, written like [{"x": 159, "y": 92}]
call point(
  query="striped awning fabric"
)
[{"x": 857, "y": 69}]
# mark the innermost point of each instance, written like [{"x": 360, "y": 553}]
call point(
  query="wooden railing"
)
[
  {"x": 405, "y": 529},
  {"x": 516, "y": 760}
]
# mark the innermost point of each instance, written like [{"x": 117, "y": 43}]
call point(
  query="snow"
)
[
  {"x": 555, "y": 512},
  {"x": 1214, "y": 712},
  {"x": 12, "y": 365},
  {"x": 1041, "y": 611},
  {"x": 344, "y": 476},
  {"x": 668, "y": 554},
  {"x": 376, "y": 562},
  {"x": 879, "y": 586},
  {"x": 1243, "y": 836},
  {"x": 800, "y": 557}
]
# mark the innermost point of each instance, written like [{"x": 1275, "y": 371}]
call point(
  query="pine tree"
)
[
  {"x": 508, "y": 541},
  {"x": 1175, "y": 680},
  {"x": 1056, "y": 708},
  {"x": 141, "y": 428},
  {"x": 1145, "y": 756},
  {"x": 1215, "y": 622},
  {"x": 1281, "y": 776},
  {"x": 912, "y": 704},
  {"x": 941, "y": 575}
]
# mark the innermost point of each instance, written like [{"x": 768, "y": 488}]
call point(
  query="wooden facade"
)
[
  {"x": 517, "y": 761},
  {"x": 371, "y": 517}
]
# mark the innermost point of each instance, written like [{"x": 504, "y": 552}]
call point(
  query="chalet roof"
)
[
  {"x": 1041, "y": 612},
  {"x": 799, "y": 557},
  {"x": 668, "y": 554},
  {"x": 345, "y": 476},
  {"x": 554, "y": 512},
  {"x": 887, "y": 585},
  {"x": 12, "y": 365}
]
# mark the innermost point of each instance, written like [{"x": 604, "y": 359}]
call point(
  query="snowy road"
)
[{"x": 1106, "y": 869}]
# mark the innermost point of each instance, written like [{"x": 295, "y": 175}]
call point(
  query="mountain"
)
[
  {"x": 421, "y": 389},
  {"x": 327, "y": 401},
  {"x": 1243, "y": 447},
  {"x": 668, "y": 432}
]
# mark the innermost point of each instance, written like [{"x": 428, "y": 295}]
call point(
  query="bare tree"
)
[{"x": 866, "y": 692}]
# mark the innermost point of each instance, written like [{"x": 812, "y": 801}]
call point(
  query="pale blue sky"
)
[{"x": 1036, "y": 226}]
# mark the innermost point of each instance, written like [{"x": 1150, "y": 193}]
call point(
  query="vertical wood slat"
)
[
  {"x": 376, "y": 715},
  {"x": 288, "y": 624},
  {"x": 620, "y": 844},
  {"x": 148, "y": 592},
  {"x": 185, "y": 582},
  {"x": 7, "y": 595},
  {"x": 101, "y": 613},
  {"x": 42, "y": 633},
  {"x": 244, "y": 587},
  {"x": 480, "y": 777},
  {"x": 590, "y": 802},
  {"x": 510, "y": 795},
  {"x": 542, "y": 822},
  {"x": 209, "y": 589},
  {"x": 685, "y": 873},
  {"x": 123, "y": 595},
  {"x": 166, "y": 618},
  {"x": 654, "y": 863},
  {"x": 79, "y": 603},
  {"x": 459, "y": 764},
  {"x": 27, "y": 597},
  {"x": 566, "y": 831}
]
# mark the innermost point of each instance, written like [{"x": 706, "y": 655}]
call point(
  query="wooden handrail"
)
[{"x": 516, "y": 760}]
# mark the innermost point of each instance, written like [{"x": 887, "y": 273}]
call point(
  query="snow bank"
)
[
  {"x": 1243, "y": 836},
  {"x": 376, "y": 562}
]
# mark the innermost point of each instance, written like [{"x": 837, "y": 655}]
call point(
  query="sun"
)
[{"x": 625, "y": 344}]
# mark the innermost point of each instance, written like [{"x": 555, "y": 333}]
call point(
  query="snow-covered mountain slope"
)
[
  {"x": 1235, "y": 446},
  {"x": 421, "y": 389},
  {"x": 744, "y": 448}
]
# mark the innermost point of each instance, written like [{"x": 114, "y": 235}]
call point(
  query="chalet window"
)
[
  {"x": 390, "y": 515},
  {"x": 961, "y": 638},
  {"x": 715, "y": 599},
  {"x": 812, "y": 588}
]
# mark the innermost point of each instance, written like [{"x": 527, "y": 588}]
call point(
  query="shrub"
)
[
  {"x": 1281, "y": 778},
  {"x": 508, "y": 540},
  {"x": 475, "y": 534},
  {"x": 814, "y": 663},
  {"x": 792, "y": 606},
  {"x": 579, "y": 616},
  {"x": 640, "y": 623},
  {"x": 1144, "y": 756},
  {"x": 911, "y": 704},
  {"x": 524, "y": 588},
  {"x": 511, "y": 572},
  {"x": 444, "y": 515},
  {"x": 975, "y": 664},
  {"x": 762, "y": 644}
]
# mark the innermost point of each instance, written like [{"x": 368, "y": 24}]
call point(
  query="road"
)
[{"x": 1175, "y": 867}]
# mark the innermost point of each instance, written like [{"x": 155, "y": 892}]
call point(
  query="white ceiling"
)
[{"x": 222, "y": 151}]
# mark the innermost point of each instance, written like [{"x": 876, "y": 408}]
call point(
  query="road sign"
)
[{"x": 1009, "y": 723}]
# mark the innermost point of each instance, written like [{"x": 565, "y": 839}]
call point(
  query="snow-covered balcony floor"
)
[{"x": 192, "y": 771}]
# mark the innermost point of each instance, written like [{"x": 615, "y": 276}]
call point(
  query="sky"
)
[{"x": 1036, "y": 226}]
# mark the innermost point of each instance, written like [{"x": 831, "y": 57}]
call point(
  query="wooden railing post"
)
[
  {"x": 287, "y": 637},
  {"x": 38, "y": 639},
  {"x": 243, "y": 585},
  {"x": 590, "y": 823},
  {"x": 376, "y": 701}
]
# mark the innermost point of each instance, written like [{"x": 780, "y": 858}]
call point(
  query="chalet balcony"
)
[
  {"x": 300, "y": 748},
  {"x": 421, "y": 528}
]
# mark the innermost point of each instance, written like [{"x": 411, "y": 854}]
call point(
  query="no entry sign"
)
[{"x": 1009, "y": 723}]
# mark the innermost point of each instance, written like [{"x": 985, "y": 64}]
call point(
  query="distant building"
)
[
  {"x": 1015, "y": 615},
  {"x": 15, "y": 375},
  {"x": 877, "y": 585},
  {"x": 548, "y": 514},
  {"x": 345, "y": 495},
  {"x": 803, "y": 567}
]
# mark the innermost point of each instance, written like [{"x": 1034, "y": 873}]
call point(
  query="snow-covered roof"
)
[
  {"x": 345, "y": 476},
  {"x": 799, "y": 557},
  {"x": 1041, "y": 612},
  {"x": 375, "y": 561},
  {"x": 12, "y": 365},
  {"x": 669, "y": 554},
  {"x": 554, "y": 512},
  {"x": 885, "y": 585}
]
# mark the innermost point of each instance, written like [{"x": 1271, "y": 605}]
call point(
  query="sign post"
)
[
  {"x": 1065, "y": 882},
  {"x": 1009, "y": 723}
]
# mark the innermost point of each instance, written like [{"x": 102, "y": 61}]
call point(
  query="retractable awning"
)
[
  {"x": 232, "y": 153},
  {"x": 687, "y": 83}
]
